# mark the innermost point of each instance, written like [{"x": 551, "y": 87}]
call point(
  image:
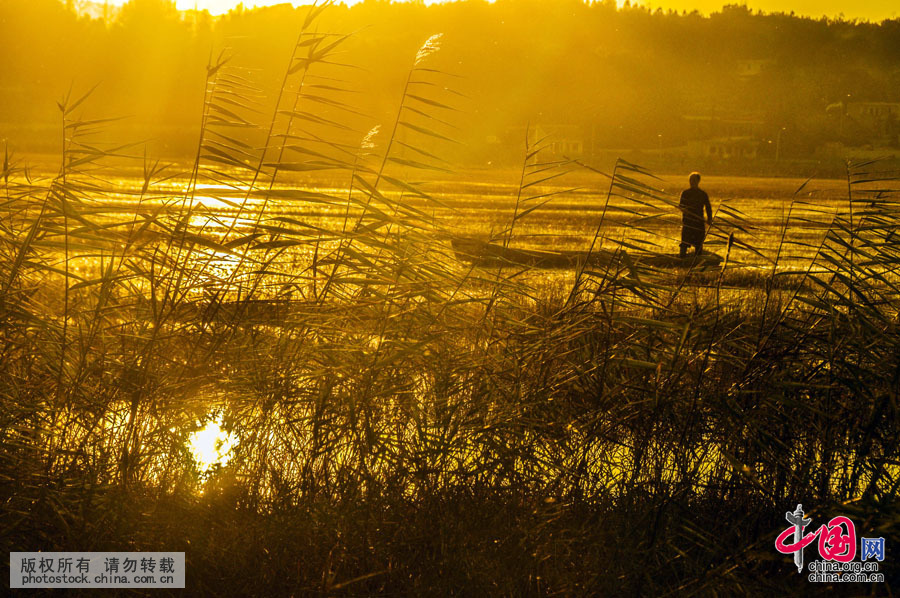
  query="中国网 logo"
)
[{"x": 837, "y": 549}]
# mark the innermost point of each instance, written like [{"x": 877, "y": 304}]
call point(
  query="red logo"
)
[{"x": 837, "y": 540}]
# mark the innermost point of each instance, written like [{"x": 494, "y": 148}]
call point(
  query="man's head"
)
[{"x": 695, "y": 180}]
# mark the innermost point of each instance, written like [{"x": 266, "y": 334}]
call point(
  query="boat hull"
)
[{"x": 482, "y": 253}]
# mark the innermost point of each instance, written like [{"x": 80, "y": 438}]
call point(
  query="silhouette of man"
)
[{"x": 693, "y": 202}]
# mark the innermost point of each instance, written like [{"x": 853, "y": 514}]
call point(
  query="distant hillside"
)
[{"x": 678, "y": 84}]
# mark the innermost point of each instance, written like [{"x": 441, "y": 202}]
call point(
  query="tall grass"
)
[{"x": 406, "y": 423}]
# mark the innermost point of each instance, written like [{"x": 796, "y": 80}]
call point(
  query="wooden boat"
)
[{"x": 483, "y": 253}]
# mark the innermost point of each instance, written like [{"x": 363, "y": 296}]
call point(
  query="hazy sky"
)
[{"x": 875, "y": 10}]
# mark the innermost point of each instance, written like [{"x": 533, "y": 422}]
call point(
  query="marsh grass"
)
[{"x": 409, "y": 424}]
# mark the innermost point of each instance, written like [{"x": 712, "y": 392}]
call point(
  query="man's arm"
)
[{"x": 708, "y": 207}]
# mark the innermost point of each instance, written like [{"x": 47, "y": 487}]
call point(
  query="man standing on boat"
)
[{"x": 693, "y": 202}]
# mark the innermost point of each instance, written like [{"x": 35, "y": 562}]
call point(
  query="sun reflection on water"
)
[{"x": 211, "y": 445}]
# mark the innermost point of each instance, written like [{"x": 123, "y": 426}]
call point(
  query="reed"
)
[{"x": 405, "y": 423}]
